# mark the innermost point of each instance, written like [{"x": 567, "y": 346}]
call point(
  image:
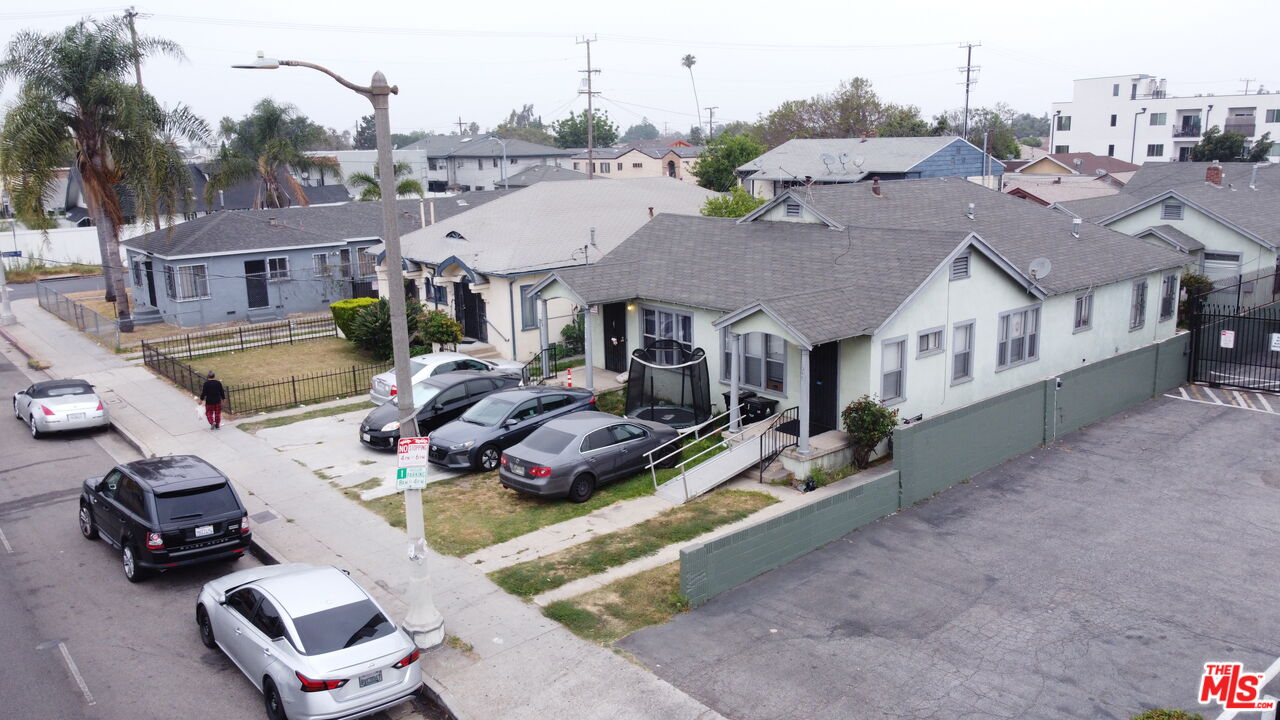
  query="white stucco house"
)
[{"x": 918, "y": 292}]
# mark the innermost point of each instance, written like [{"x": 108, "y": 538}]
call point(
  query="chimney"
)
[
  {"x": 875, "y": 186},
  {"x": 1075, "y": 227},
  {"x": 972, "y": 212},
  {"x": 651, "y": 212},
  {"x": 1213, "y": 174}
]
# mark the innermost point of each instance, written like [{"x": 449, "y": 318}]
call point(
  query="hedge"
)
[{"x": 345, "y": 310}]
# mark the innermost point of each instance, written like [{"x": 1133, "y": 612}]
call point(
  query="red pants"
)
[{"x": 213, "y": 413}]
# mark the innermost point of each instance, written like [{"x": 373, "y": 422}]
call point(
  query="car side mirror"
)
[
  {"x": 437, "y": 407},
  {"x": 509, "y": 422}
]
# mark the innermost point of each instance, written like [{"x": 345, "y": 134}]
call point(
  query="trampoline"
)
[{"x": 668, "y": 383}]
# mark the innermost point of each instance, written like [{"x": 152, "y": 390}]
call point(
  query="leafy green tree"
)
[
  {"x": 366, "y": 134},
  {"x": 737, "y": 203},
  {"x": 1003, "y": 143},
  {"x": 370, "y": 188},
  {"x": 572, "y": 131},
  {"x": 1031, "y": 141},
  {"x": 644, "y": 130},
  {"x": 739, "y": 127},
  {"x": 371, "y": 326},
  {"x": 853, "y": 110},
  {"x": 1230, "y": 147},
  {"x": 266, "y": 143},
  {"x": 405, "y": 139},
  {"x": 524, "y": 125},
  {"x": 724, "y": 154},
  {"x": 695, "y": 136},
  {"x": 77, "y": 99},
  {"x": 1027, "y": 125},
  {"x": 903, "y": 121}
]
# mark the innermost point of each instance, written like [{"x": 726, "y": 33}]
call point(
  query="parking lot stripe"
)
[
  {"x": 5, "y": 542},
  {"x": 1211, "y": 394},
  {"x": 1183, "y": 390},
  {"x": 1240, "y": 399},
  {"x": 75, "y": 673},
  {"x": 1264, "y": 402}
]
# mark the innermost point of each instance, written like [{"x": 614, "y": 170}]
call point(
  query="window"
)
[
  {"x": 960, "y": 267},
  {"x": 320, "y": 264},
  {"x": 433, "y": 164},
  {"x": 1155, "y": 150},
  {"x": 479, "y": 163},
  {"x": 278, "y": 268},
  {"x": 367, "y": 262},
  {"x": 1159, "y": 118},
  {"x": 495, "y": 162},
  {"x": 929, "y": 342},
  {"x": 619, "y": 166},
  {"x": 1113, "y": 119},
  {"x": 454, "y": 394},
  {"x": 514, "y": 160},
  {"x": 131, "y": 498},
  {"x": 243, "y": 601},
  {"x": 1115, "y": 90},
  {"x": 1168, "y": 296},
  {"x": 764, "y": 362},
  {"x": 1171, "y": 211},
  {"x": 528, "y": 309},
  {"x": 555, "y": 402},
  {"x": 893, "y": 370},
  {"x": 186, "y": 282},
  {"x": 1138, "y": 305},
  {"x": 575, "y": 166},
  {"x": 344, "y": 263},
  {"x": 793, "y": 209},
  {"x": 479, "y": 188},
  {"x": 1064, "y": 122},
  {"x": 659, "y": 324},
  {"x": 1111, "y": 151},
  {"x": 1061, "y": 149},
  {"x": 267, "y": 619},
  {"x": 606, "y": 167},
  {"x": 626, "y": 433},
  {"x": 637, "y": 165},
  {"x": 481, "y": 387},
  {"x": 1273, "y": 116},
  {"x": 137, "y": 274},
  {"x": 440, "y": 294},
  {"x": 601, "y": 438},
  {"x": 962, "y": 352},
  {"x": 525, "y": 410},
  {"x": 1084, "y": 312},
  {"x": 1018, "y": 337}
]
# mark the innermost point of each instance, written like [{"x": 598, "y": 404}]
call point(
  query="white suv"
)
[{"x": 383, "y": 386}]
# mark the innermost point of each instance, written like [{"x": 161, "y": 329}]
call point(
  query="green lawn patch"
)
[
  {"x": 280, "y": 362},
  {"x": 254, "y": 426},
  {"x": 623, "y": 606},
  {"x": 618, "y": 548},
  {"x": 614, "y": 401}
]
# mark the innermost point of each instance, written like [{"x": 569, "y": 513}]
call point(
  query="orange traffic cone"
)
[{"x": 570, "y": 383}]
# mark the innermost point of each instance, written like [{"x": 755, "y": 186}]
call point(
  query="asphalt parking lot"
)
[{"x": 1088, "y": 580}]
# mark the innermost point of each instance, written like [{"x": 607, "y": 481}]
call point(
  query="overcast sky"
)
[{"x": 479, "y": 60}]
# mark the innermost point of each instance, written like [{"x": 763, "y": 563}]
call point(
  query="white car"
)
[
  {"x": 311, "y": 639},
  {"x": 383, "y": 386},
  {"x": 55, "y": 405}
]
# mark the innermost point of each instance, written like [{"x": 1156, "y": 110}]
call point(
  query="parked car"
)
[
  {"x": 477, "y": 438},
  {"x": 311, "y": 639},
  {"x": 55, "y": 405},
  {"x": 572, "y": 455},
  {"x": 438, "y": 399},
  {"x": 383, "y": 386},
  {"x": 165, "y": 512}
]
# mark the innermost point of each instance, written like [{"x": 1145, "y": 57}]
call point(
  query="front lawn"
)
[
  {"x": 280, "y": 362},
  {"x": 623, "y": 606}
]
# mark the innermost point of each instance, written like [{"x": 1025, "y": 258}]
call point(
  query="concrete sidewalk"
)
[{"x": 520, "y": 665}]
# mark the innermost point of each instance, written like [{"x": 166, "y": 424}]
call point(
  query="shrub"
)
[
  {"x": 572, "y": 334},
  {"x": 1163, "y": 714},
  {"x": 371, "y": 327},
  {"x": 439, "y": 328},
  {"x": 344, "y": 311},
  {"x": 1193, "y": 284},
  {"x": 868, "y": 423}
]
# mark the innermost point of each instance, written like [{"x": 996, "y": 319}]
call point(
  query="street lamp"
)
[
  {"x": 423, "y": 620},
  {"x": 1133, "y": 142},
  {"x": 503, "y": 141}
]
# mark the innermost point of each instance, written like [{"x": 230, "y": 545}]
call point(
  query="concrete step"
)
[
  {"x": 146, "y": 316},
  {"x": 482, "y": 350}
]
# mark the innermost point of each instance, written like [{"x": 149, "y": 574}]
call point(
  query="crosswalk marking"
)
[{"x": 1242, "y": 399}]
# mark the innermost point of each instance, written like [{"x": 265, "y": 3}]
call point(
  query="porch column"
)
[
  {"x": 735, "y": 378},
  {"x": 803, "y": 448},
  {"x": 543, "y": 332},
  {"x": 588, "y": 337}
]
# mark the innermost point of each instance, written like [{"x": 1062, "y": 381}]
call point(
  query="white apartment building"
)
[{"x": 1135, "y": 118}]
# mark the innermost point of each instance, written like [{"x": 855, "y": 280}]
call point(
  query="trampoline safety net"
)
[{"x": 668, "y": 383}]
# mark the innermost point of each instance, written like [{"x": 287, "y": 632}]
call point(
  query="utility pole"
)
[
  {"x": 459, "y": 124},
  {"x": 130, "y": 14},
  {"x": 711, "y": 121},
  {"x": 1246, "y": 82},
  {"x": 591, "y": 118},
  {"x": 970, "y": 79}
]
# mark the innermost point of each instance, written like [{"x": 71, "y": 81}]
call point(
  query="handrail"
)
[
  {"x": 772, "y": 433},
  {"x": 488, "y": 322},
  {"x": 684, "y": 463}
]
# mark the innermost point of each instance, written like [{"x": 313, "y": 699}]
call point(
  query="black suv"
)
[{"x": 165, "y": 512}]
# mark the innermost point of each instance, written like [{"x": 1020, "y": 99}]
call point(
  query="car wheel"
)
[
  {"x": 129, "y": 561},
  {"x": 670, "y": 462},
  {"x": 16, "y": 414},
  {"x": 35, "y": 431},
  {"x": 271, "y": 699},
  {"x": 583, "y": 487},
  {"x": 87, "y": 527},
  {"x": 205, "y": 627},
  {"x": 489, "y": 457}
]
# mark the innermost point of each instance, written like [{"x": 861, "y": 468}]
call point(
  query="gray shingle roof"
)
[
  {"x": 444, "y": 146},
  {"x": 1173, "y": 235},
  {"x": 541, "y": 173},
  {"x": 795, "y": 159}
]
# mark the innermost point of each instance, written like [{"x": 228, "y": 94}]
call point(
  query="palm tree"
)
[
  {"x": 266, "y": 144},
  {"x": 370, "y": 189},
  {"x": 688, "y": 62},
  {"x": 76, "y": 103}
]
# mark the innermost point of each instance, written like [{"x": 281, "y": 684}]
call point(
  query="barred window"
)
[
  {"x": 186, "y": 282},
  {"x": 367, "y": 263}
]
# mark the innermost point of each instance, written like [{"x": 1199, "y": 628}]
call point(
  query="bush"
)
[
  {"x": 1193, "y": 284},
  {"x": 868, "y": 423},
  {"x": 439, "y": 328},
  {"x": 1163, "y": 714},
  {"x": 371, "y": 327},
  {"x": 572, "y": 334},
  {"x": 344, "y": 311}
]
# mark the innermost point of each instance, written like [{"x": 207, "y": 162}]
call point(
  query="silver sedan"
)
[
  {"x": 310, "y": 639},
  {"x": 56, "y": 405}
]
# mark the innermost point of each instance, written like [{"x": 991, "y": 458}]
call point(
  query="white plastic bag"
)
[{"x": 200, "y": 412}]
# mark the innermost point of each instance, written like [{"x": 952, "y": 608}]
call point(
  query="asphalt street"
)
[
  {"x": 20, "y": 291},
  {"x": 65, "y": 603}
]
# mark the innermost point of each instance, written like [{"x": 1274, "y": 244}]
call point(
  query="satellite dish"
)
[
  {"x": 844, "y": 157},
  {"x": 1040, "y": 268},
  {"x": 827, "y": 159},
  {"x": 857, "y": 161}
]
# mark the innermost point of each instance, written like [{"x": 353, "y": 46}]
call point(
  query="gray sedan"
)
[
  {"x": 572, "y": 455},
  {"x": 55, "y": 405}
]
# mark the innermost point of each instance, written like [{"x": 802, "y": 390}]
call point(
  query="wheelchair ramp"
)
[{"x": 717, "y": 469}]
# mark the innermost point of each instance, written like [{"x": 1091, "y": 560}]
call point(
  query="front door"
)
[
  {"x": 615, "y": 337},
  {"x": 469, "y": 310},
  {"x": 151, "y": 282},
  {"x": 255, "y": 281},
  {"x": 823, "y": 412}
]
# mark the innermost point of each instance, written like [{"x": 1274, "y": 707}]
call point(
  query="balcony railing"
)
[
  {"x": 1246, "y": 128},
  {"x": 1186, "y": 132}
]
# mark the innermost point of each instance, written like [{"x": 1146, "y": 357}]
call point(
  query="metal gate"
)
[{"x": 1236, "y": 346}]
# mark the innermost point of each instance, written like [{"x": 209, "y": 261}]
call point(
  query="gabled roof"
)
[
  {"x": 445, "y": 146},
  {"x": 547, "y": 225},
  {"x": 656, "y": 152},
  {"x": 542, "y": 173},
  {"x": 1081, "y": 163},
  {"x": 854, "y": 158},
  {"x": 1173, "y": 236}
]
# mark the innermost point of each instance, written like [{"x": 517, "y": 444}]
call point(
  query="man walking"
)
[{"x": 212, "y": 395}]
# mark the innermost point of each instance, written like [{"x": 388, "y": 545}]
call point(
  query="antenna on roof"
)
[{"x": 1040, "y": 268}]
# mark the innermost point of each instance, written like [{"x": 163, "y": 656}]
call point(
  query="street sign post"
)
[
  {"x": 11, "y": 253},
  {"x": 411, "y": 461}
]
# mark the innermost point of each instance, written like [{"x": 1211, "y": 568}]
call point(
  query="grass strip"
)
[
  {"x": 610, "y": 550},
  {"x": 623, "y": 606},
  {"x": 254, "y": 426},
  {"x": 35, "y": 272}
]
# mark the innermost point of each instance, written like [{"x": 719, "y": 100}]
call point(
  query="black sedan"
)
[
  {"x": 438, "y": 399},
  {"x": 476, "y": 440},
  {"x": 573, "y": 455}
]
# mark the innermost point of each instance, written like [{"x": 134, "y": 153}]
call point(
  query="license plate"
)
[
  {"x": 75, "y": 416},
  {"x": 517, "y": 469},
  {"x": 204, "y": 530},
  {"x": 371, "y": 679},
  {"x": 364, "y": 437}
]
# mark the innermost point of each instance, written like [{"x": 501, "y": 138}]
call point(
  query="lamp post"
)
[
  {"x": 423, "y": 620},
  {"x": 1133, "y": 142},
  {"x": 504, "y": 162}
]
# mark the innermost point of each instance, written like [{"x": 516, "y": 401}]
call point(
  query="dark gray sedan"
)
[{"x": 572, "y": 455}]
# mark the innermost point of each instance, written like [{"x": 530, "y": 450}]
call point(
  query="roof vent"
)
[
  {"x": 1079, "y": 162},
  {"x": 272, "y": 222},
  {"x": 972, "y": 213},
  {"x": 875, "y": 186},
  {"x": 1075, "y": 226}
]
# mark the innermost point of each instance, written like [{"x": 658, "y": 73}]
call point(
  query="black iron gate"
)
[{"x": 1235, "y": 346}]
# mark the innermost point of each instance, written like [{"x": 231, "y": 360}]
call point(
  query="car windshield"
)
[
  {"x": 423, "y": 394},
  {"x": 194, "y": 504},
  {"x": 548, "y": 440},
  {"x": 61, "y": 390},
  {"x": 342, "y": 627},
  {"x": 489, "y": 411}
]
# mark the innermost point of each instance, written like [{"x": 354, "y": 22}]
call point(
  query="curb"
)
[
  {"x": 436, "y": 702},
  {"x": 131, "y": 440},
  {"x": 264, "y": 553},
  {"x": 14, "y": 342}
]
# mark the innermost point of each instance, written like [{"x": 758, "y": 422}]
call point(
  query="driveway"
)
[{"x": 1087, "y": 580}]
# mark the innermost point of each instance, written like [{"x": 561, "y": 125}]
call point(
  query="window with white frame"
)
[
  {"x": 1273, "y": 116},
  {"x": 1064, "y": 122},
  {"x": 433, "y": 164},
  {"x": 893, "y": 370},
  {"x": 960, "y": 267},
  {"x": 1018, "y": 337},
  {"x": 278, "y": 268},
  {"x": 186, "y": 282},
  {"x": 1058, "y": 149},
  {"x": 962, "y": 352},
  {"x": 619, "y": 166},
  {"x": 1084, "y": 313},
  {"x": 764, "y": 361},
  {"x": 1155, "y": 150},
  {"x": 320, "y": 264},
  {"x": 1138, "y": 305},
  {"x": 1159, "y": 118},
  {"x": 528, "y": 308},
  {"x": 1168, "y": 296},
  {"x": 439, "y": 294},
  {"x": 1171, "y": 211},
  {"x": 637, "y": 165},
  {"x": 606, "y": 167},
  {"x": 662, "y": 324},
  {"x": 929, "y": 342},
  {"x": 575, "y": 166}
]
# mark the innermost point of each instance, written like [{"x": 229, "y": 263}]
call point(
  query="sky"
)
[{"x": 477, "y": 61}]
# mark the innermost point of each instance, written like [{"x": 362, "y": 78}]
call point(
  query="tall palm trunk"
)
[{"x": 102, "y": 224}]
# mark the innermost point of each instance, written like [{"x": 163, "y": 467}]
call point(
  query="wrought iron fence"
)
[
  {"x": 1241, "y": 292},
  {"x": 218, "y": 341},
  {"x": 86, "y": 320},
  {"x": 1236, "y": 347}
]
